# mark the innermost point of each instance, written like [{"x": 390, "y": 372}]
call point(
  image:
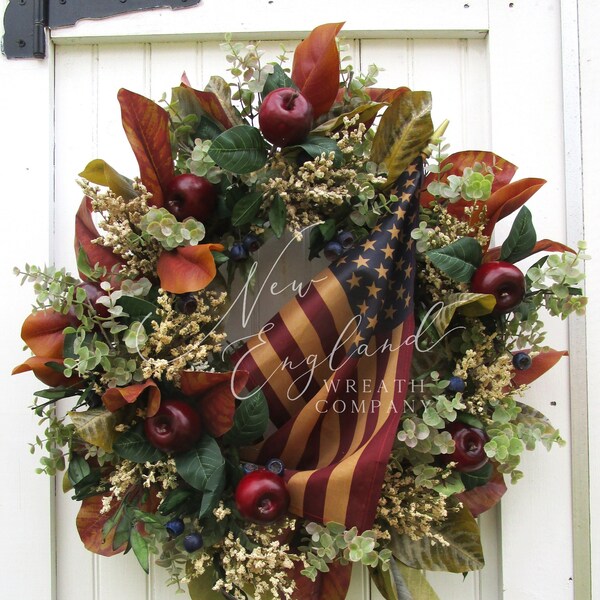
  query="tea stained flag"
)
[{"x": 334, "y": 366}]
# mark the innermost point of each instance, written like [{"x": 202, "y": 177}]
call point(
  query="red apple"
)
[
  {"x": 176, "y": 427},
  {"x": 262, "y": 497},
  {"x": 468, "y": 454},
  {"x": 504, "y": 281},
  {"x": 93, "y": 291},
  {"x": 188, "y": 195},
  {"x": 285, "y": 117}
]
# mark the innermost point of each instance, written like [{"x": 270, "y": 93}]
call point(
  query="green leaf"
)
[
  {"x": 78, "y": 469},
  {"x": 404, "y": 131},
  {"x": 140, "y": 310},
  {"x": 199, "y": 466},
  {"x": 417, "y": 584},
  {"x": 83, "y": 263},
  {"x": 240, "y": 149},
  {"x": 477, "y": 478},
  {"x": 139, "y": 545},
  {"x": 328, "y": 229},
  {"x": 366, "y": 111},
  {"x": 188, "y": 104},
  {"x": 463, "y": 552},
  {"x": 132, "y": 445},
  {"x": 276, "y": 80},
  {"x": 317, "y": 145},
  {"x": 57, "y": 393},
  {"x": 250, "y": 420},
  {"x": 521, "y": 239},
  {"x": 96, "y": 426},
  {"x": 213, "y": 491},
  {"x": 200, "y": 586},
  {"x": 101, "y": 173},
  {"x": 246, "y": 208},
  {"x": 458, "y": 260},
  {"x": 173, "y": 500},
  {"x": 277, "y": 216},
  {"x": 471, "y": 305}
]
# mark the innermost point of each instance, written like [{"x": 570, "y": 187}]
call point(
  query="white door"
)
[{"x": 495, "y": 72}]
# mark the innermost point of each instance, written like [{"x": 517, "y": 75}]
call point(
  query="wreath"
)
[{"x": 375, "y": 416}]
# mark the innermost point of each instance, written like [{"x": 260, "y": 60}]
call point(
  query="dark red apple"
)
[
  {"x": 93, "y": 291},
  {"x": 176, "y": 427},
  {"x": 188, "y": 195},
  {"x": 262, "y": 497},
  {"x": 504, "y": 281},
  {"x": 468, "y": 454},
  {"x": 285, "y": 117}
]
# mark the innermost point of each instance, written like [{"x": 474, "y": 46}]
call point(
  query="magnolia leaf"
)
[
  {"x": 541, "y": 363},
  {"x": 316, "y": 67},
  {"x": 367, "y": 112},
  {"x": 200, "y": 586},
  {"x": 199, "y": 466},
  {"x": 405, "y": 129},
  {"x": 245, "y": 209},
  {"x": 521, "y": 239},
  {"x": 101, "y": 173},
  {"x": 132, "y": 445},
  {"x": 276, "y": 80},
  {"x": 222, "y": 92},
  {"x": 250, "y": 420},
  {"x": 463, "y": 552},
  {"x": 417, "y": 584},
  {"x": 332, "y": 585},
  {"x": 146, "y": 125},
  {"x": 470, "y": 305},
  {"x": 240, "y": 149},
  {"x": 458, "y": 260},
  {"x": 90, "y": 523},
  {"x": 42, "y": 331},
  {"x": 483, "y": 497},
  {"x": 96, "y": 426},
  {"x": 278, "y": 216},
  {"x": 205, "y": 106}
]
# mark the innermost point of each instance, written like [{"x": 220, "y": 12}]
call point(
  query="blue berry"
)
[
  {"x": 238, "y": 252},
  {"x": 249, "y": 467},
  {"x": 522, "y": 361},
  {"x": 275, "y": 465},
  {"x": 456, "y": 385},
  {"x": 251, "y": 242},
  {"x": 186, "y": 304},
  {"x": 193, "y": 542},
  {"x": 333, "y": 250},
  {"x": 346, "y": 239},
  {"x": 175, "y": 527}
]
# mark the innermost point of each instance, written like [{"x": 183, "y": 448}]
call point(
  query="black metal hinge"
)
[{"x": 25, "y": 21}]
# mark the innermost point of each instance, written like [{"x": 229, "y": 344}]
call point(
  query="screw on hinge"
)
[
  {"x": 22, "y": 2},
  {"x": 21, "y": 43}
]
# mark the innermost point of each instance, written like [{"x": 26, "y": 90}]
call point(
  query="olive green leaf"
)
[
  {"x": 132, "y": 445},
  {"x": 521, "y": 238},
  {"x": 463, "y": 552},
  {"x": 276, "y": 80},
  {"x": 96, "y": 426},
  {"x": 277, "y": 216},
  {"x": 366, "y": 111},
  {"x": 101, "y": 173},
  {"x": 470, "y": 305},
  {"x": 250, "y": 420},
  {"x": 140, "y": 548},
  {"x": 201, "y": 466},
  {"x": 200, "y": 586},
  {"x": 240, "y": 149},
  {"x": 246, "y": 208},
  {"x": 404, "y": 131},
  {"x": 458, "y": 260}
]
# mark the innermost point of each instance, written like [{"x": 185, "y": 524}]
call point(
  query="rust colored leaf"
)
[
  {"x": 217, "y": 407},
  {"x": 89, "y": 524},
  {"x": 211, "y": 105},
  {"x": 328, "y": 586},
  {"x": 85, "y": 233},
  {"x": 42, "y": 331},
  {"x": 483, "y": 497},
  {"x": 194, "y": 383},
  {"x": 147, "y": 128},
  {"x": 504, "y": 171},
  {"x": 46, "y": 374},
  {"x": 117, "y": 397},
  {"x": 316, "y": 67},
  {"x": 540, "y": 364},
  {"x": 187, "y": 269},
  {"x": 508, "y": 199},
  {"x": 542, "y": 246},
  {"x": 386, "y": 94}
]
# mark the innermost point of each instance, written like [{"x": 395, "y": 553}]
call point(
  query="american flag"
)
[{"x": 334, "y": 366}]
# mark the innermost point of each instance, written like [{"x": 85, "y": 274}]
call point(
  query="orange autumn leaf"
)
[
  {"x": 146, "y": 125},
  {"x": 85, "y": 233},
  {"x": 209, "y": 102},
  {"x": 187, "y": 269},
  {"x": 541, "y": 363},
  {"x": 42, "y": 331},
  {"x": 316, "y": 67},
  {"x": 46, "y": 374},
  {"x": 117, "y": 397},
  {"x": 493, "y": 254}
]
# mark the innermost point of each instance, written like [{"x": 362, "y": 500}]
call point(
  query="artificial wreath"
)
[{"x": 375, "y": 416}]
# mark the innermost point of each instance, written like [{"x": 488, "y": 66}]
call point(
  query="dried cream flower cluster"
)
[
  {"x": 318, "y": 187},
  {"x": 121, "y": 226},
  {"x": 183, "y": 340},
  {"x": 412, "y": 510}
]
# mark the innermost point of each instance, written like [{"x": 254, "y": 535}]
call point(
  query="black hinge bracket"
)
[{"x": 25, "y": 21}]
